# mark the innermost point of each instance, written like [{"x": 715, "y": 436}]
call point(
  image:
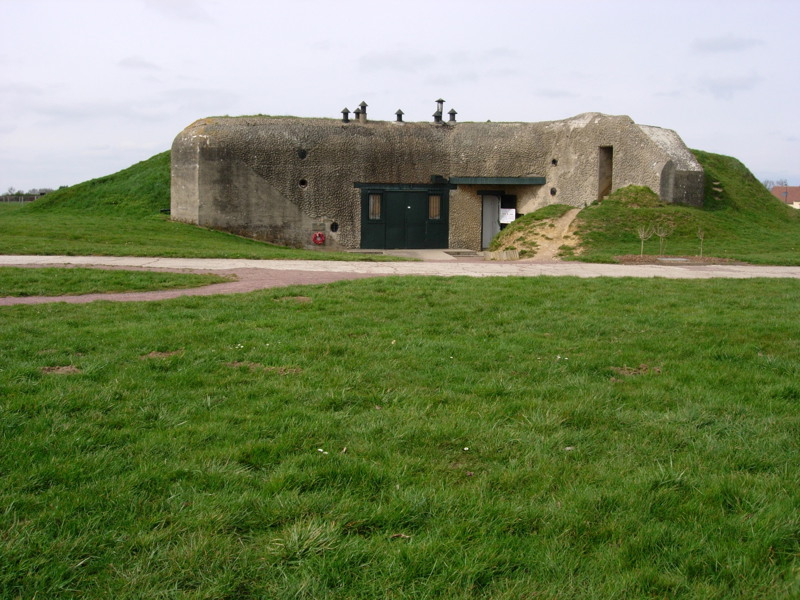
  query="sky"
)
[{"x": 90, "y": 87}]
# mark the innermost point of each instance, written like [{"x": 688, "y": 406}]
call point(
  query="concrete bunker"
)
[{"x": 399, "y": 184}]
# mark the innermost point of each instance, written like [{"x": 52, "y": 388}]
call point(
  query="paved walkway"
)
[{"x": 259, "y": 274}]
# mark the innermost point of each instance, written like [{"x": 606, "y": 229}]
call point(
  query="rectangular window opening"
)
[
  {"x": 434, "y": 207},
  {"x": 374, "y": 207}
]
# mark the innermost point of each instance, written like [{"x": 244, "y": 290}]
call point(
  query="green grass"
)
[
  {"x": 407, "y": 438},
  {"x": 140, "y": 190},
  {"x": 18, "y": 281},
  {"x": 120, "y": 215},
  {"x": 740, "y": 220}
]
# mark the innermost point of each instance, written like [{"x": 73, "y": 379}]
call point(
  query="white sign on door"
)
[{"x": 507, "y": 215}]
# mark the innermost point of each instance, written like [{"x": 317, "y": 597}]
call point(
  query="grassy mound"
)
[
  {"x": 139, "y": 190},
  {"x": 740, "y": 220}
]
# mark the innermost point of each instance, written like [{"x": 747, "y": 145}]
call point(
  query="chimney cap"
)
[{"x": 363, "y": 104}]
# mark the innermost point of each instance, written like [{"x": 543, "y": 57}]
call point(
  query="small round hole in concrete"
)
[
  {"x": 302, "y": 153},
  {"x": 334, "y": 227},
  {"x": 554, "y": 162},
  {"x": 553, "y": 191},
  {"x": 303, "y": 183}
]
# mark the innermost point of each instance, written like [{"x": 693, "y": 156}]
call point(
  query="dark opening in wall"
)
[
  {"x": 303, "y": 183},
  {"x": 553, "y": 191},
  {"x": 554, "y": 162},
  {"x": 302, "y": 153},
  {"x": 334, "y": 227},
  {"x": 605, "y": 171}
]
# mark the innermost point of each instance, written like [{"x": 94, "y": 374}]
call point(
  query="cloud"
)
[
  {"x": 183, "y": 10},
  {"x": 84, "y": 111},
  {"x": 450, "y": 79},
  {"x": 20, "y": 89},
  {"x": 137, "y": 62},
  {"x": 555, "y": 93},
  {"x": 152, "y": 108},
  {"x": 724, "y": 44},
  {"x": 399, "y": 62},
  {"x": 726, "y": 87}
]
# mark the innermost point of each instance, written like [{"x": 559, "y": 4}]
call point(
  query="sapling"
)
[
  {"x": 662, "y": 230},
  {"x": 645, "y": 233},
  {"x": 701, "y": 236}
]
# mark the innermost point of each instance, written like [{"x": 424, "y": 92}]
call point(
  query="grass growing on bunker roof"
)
[{"x": 428, "y": 437}]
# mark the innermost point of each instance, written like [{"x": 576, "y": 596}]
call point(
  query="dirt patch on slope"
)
[
  {"x": 554, "y": 234},
  {"x": 543, "y": 240}
]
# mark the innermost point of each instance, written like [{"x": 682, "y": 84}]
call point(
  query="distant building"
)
[
  {"x": 354, "y": 183},
  {"x": 789, "y": 194}
]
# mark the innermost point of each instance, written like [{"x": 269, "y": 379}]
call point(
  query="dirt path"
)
[
  {"x": 558, "y": 235},
  {"x": 247, "y": 280},
  {"x": 260, "y": 274}
]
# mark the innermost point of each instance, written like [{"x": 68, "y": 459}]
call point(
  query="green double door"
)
[{"x": 405, "y": 219}]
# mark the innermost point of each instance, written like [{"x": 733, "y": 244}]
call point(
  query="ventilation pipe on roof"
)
[
  {"x": 399, "y": 114},
  {"x": 437, "y": 116},
  {"x": 363, "y": 115},
  {"x": 452, "y": 112},
  {"x": 345, "y": 115}
]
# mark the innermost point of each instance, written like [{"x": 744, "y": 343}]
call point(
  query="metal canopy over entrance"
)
[{"x": 404, "y": 216}]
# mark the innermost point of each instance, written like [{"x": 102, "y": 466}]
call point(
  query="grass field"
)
[
  {"x": 406, "y": 438},
  {"x": 17, "y": 281}
]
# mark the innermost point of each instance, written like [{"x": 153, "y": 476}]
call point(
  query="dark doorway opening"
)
[{"x": 605, "y": 171}]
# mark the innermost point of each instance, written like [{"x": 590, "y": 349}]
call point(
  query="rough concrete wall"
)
[
  {"x": 279, "y": 178},
  {"x": 240, "y": 201},
  {"x": 573, "y": 166},
  {"x": 683, "y": 178},
  {"x": 688, "y": 188},
  {"x": 311, "y": 164},
  {"x": 465, "y": 217},
  {"x": 184, "y": 185}
]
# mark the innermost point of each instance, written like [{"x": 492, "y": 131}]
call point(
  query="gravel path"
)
[{"x": 261, "y": 274}]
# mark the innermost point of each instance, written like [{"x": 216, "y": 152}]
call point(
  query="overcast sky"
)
[{"x": 90, "y": 87}]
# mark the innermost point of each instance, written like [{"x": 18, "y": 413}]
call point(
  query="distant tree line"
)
[
  {"x": 771, "y": 183},
  {"x": 32, "y": 192},
  {"x": 15, "y": 195}
]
